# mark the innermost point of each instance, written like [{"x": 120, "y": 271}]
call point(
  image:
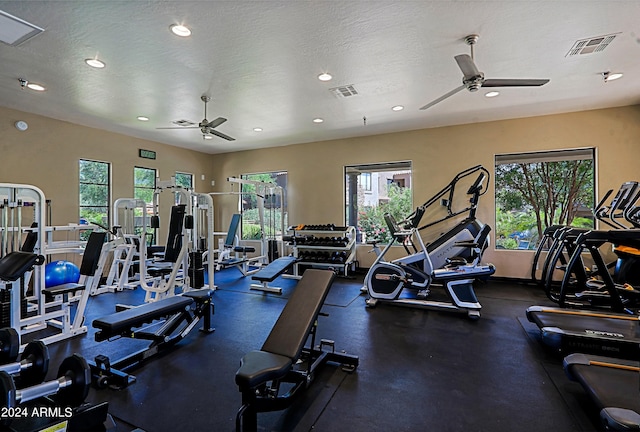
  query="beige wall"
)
[
  {"x": 47, "y": 156},
  {"x": 315, "y": 170}
]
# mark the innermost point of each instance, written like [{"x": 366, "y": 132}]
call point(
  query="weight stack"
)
[
  {"x": 5, "y": 308},
  {"x": 273, "y": 253},
  {"x": 196, "y": 270}
]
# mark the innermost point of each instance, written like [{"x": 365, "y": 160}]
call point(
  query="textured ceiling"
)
[{"x": 259, "y": 61}]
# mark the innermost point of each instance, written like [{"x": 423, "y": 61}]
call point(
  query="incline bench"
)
[
  {"x": 180, "y": 314},
  {"x": 270, "y": 272},
  {"x": 283, "y": 357}
]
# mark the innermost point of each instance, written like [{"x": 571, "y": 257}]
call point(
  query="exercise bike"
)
[
  {"x": 386, "y": 281},
  {"x": 389, "y": 281}
]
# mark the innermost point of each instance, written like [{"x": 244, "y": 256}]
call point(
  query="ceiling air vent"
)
[
  {"x": 184, "y": 123},
  {"x": 344, "y": 91},
  {"x": 14, "y": 31},
  {"x": 591, "y": 45}
]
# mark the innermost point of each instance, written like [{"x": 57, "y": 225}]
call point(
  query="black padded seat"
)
[
  {"x": 199, "y": 294},
  {"x": 67, "y": 288},
  {"x": 137, "y": 316},
  {"x": 288, "y": 335},
  {"x": 274, "y": 269},
  {"x": 15, "y": 264},
  {"x": 257, "y": 367},
  {"x": 159, "y": 271},
  {"x": 244, "y": 249}
]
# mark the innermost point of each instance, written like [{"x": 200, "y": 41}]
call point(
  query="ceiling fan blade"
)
[
  {"x": 180, "y": 127},
  {"x": 467, "y": 66},
  {"x": 443, "y": 97},
  {"x": 514, "y": 82},
  {"x": 215, "y": 123},
  {"x": 221, "y": 135}
]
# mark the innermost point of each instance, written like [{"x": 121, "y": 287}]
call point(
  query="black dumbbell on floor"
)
[
  {"x": 33, "y": 365},
  {"x": 70, "y": 389},
  {"x": 9, "y": 345}
]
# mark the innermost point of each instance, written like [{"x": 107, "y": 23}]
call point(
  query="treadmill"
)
[
  {"x": 570, "y": 330},
  {"x": 612, "y": 384}
]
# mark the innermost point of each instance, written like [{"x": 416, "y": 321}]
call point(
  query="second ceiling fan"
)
[{"x": 473, "y": 79}]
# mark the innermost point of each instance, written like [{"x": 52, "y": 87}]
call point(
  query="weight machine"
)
[
  {"x": 44, "y": 307},
  {"x": 270, "y": 200},
  {"x": 180, "y": 265}
]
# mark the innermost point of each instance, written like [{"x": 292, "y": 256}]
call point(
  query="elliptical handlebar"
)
[{"x": 476, "y": 190}]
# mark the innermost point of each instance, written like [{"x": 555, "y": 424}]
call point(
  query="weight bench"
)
[
  {"x": 164, "y": 322},
  {"x": 283, "y": 358},
  {"x": 226, "y": 260},
  {"x": 271, "y": 272}
]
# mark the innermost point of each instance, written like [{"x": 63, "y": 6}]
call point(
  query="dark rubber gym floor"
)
[{"x": 419, "y": 370}]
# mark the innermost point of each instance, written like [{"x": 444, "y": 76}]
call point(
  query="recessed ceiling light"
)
[
  {"x": 180, "y": 30},
  {"x": 397, "y": 108},
  {"x": 207, "y": 137},
  {"x": 318, "y": 120},
  {"x": 36, "y": 87},
  {"x": 257, "y": 129},
  {"x": 325, "y": 76},
  {"x": 492, "y": 94},
  {"x": 143, "y": 118},
  {"x": 95, "y": 63},
  {"x": 608, "y": 76}
]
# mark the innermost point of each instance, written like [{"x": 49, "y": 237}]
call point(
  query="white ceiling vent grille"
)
[
  {"x": 14, "y": 31},
  {"x": 344, "y": 91},
  {"x": 591, "y": 45},
  {"x": 184, "y": 123}
]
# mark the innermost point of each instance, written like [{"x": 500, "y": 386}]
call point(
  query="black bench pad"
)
[
  {"x": 62, "y": 289},
  {"x": 244, "y": 249},
  {"x": 15, "y": 264},
  {"x": 199, "y": 295},
  {"x": 134, "y": 317},
  {"x": 260, "y": 366},
  {"x": 274, "y": 269},
  {"x": 288, "y": 335}
]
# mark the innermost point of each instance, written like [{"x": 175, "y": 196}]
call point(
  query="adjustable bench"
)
[
  {"x": 271, "y": 272},
  {"x": 283, "y": 357},
  {"x": 176, "y": 317}
]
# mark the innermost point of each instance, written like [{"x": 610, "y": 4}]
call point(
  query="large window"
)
[
  {"x": 94, "y": 187},
  {"x": 536, "y": 190},
  {"x": 274, "y": 204},
  {"x": 144, "y": 184},
  {"x": 185, "y": 180},
  {"x": 371, "y": 191}
]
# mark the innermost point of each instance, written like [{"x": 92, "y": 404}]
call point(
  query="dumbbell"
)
[
  {"x": 71, "y": 388},
  {"x": 33, "y": 364},
  {"x": 9, "y": 345}
]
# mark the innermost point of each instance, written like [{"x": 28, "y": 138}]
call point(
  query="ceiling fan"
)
[
  {"x": 473, "y": 79},
  {"x": 206, "y": 127}
]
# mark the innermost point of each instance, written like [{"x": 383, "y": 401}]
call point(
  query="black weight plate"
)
[
  {"x": 38, "y": 354},
  {"x": 9, "y": 345},
  {"x": 76, "y": 369},
  {"x": 7, "y": 390}
]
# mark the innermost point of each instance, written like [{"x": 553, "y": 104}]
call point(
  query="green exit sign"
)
[{"x": 147, "y": 154}]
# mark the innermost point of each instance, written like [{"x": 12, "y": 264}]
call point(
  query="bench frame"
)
[
  {"x": 176, "y": 325},
  {"x": 276, "y": 390}
]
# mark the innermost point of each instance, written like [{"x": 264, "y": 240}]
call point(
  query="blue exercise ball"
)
[{"x": 60, "y": 272}]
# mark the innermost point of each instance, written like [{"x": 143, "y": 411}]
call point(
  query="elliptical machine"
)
[{"x": 427, "y": 265}]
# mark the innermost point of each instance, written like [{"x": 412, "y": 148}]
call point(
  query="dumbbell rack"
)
[{"x": 324, "y": 248}]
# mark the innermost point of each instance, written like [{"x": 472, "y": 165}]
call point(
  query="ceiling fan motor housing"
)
[{"x": 474, "y": 83}]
